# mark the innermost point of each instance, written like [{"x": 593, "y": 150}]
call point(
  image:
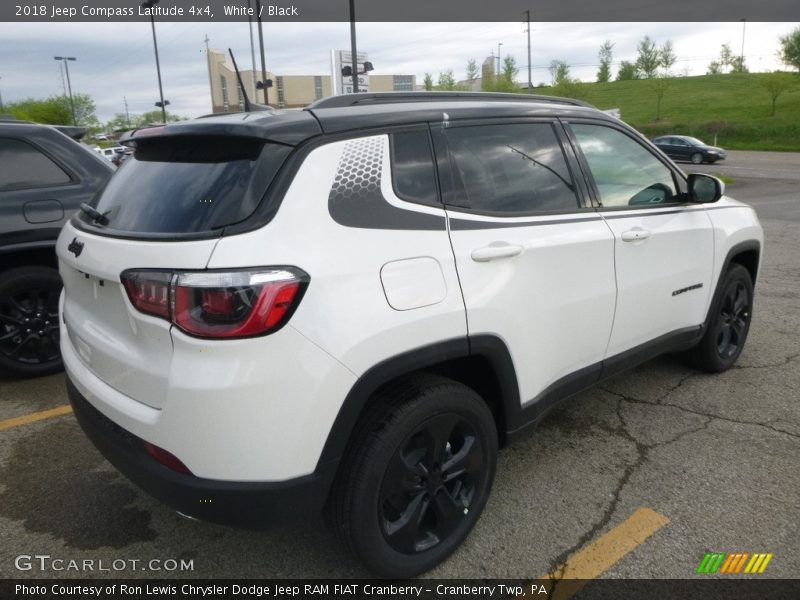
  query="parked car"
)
[
  {"x": 109, "y": 153},
  {"x": 683, "y": 147},
  {"x": 120, "y": 156},
  {"x": 349, "y": 308},
  {"x": 44, "y": 176}
]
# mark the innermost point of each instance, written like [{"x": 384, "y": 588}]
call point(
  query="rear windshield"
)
[{"x": 187, "y": 185}]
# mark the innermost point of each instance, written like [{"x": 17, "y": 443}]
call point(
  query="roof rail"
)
[{"x": 399, "y": 97}]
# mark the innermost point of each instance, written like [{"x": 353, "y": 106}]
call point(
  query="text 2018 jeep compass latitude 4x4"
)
[{"x": 350, "y": 307}]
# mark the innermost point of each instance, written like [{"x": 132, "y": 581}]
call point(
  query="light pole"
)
[
  {"x": 65, "y": 61},
  {"x": 741, "y": 57},
  {"x": 498, "y": 58},
  {"x": 528, "y": 30},
  {"x": 252, "y": 51},
  {"x": 150, "y": 4},
  {"x": 261, "y": 49},
  {"x": 353, "y": 51}
]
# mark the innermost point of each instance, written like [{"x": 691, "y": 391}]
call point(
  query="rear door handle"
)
[
  {"x": 495, "y": 251},
  {"x": 635, "y": 234}
]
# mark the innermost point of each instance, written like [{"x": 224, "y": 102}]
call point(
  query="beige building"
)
[{"x": 287, "y": 91}]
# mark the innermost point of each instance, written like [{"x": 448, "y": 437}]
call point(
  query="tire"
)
[
  {"x": 29, "y": 328},
  {"x": 396, "y": 503},
  {"x": 697, "y": 158},
  {"x": 728, "y": 323}
]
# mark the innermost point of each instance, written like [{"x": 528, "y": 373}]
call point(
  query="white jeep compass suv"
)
[{"x": 352, "y": 306}]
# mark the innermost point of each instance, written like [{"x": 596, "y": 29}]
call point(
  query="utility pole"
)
[
  {"x": 65, "y": 61},
  {"x": 741, "y": 57},
  {"x": 150, "y": 4},
  {"x": 127, "y": 116},
  {"x": 252, "y": 50},
  {"x": 261, "y": 48},
  {"x": 206, "y": 39},
  {"x": 63, "y": 83},
  {"x": 528, "y": 30},
  {"x": 353, "y": 51}
]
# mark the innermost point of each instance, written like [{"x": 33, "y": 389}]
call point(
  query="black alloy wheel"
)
[
  {"x": 416, "y": 475},
  {"x": 430, "y": 484},
  {"x": 728, "y": 323},
  {"x": 734, "y": 320},
  {"x": 29, "y": 328}
]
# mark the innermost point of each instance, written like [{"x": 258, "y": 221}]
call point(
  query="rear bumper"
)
[{"x": 242, "y": 504}]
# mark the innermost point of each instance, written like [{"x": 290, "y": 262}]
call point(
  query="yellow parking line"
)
[
  {"x": 593, "y": 560},
  {"x": 37, "y": 416}
]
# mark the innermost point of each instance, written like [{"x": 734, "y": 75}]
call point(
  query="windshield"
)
[{"x": 179, "y": 185}]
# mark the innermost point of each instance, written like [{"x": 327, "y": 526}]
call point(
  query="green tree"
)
[
  {"x": 155, "y": 116},
  {"x": 446, "y": 81},
  {"x": 472, "y": 70},
  {"x": 505, "y": 81},
  {"x": 649, "y": 58},
  {"x": 667, "y": 55},
  {"x": 725, "y": 56},
  {"x": 509, "y": 73},
  {"x": 627, "y": 71},
  {"x": 790, "y": 48},
  {"x": 775, "y": 84},
  {"x": 55, "y": 110},
  {"x": 714, "y": 68},
  {"x": 605, "y": 55},
  {"x": 738, "y": 65},
  {"x": 428, "y": 82},
  {"x": 559, "y": 71},
  {"x": 659, "y": 85},
  {"x": 119, "y": 122}
]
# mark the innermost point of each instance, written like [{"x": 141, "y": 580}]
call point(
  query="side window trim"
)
[
  {"x": 677, "y": 177},
  {"x": 446, "y": 175}
]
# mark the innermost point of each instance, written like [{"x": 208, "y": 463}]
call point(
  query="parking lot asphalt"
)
[{"x": 715, "y": 457}]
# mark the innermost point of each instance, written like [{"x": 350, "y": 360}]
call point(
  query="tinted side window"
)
[
  {"x": 625, "y": 173},
  {"x": 510, "y": 169},
  {"x": 23, "y": 166},
  {"x": 413, "y": 174}
]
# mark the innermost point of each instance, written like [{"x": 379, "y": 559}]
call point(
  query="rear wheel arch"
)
[{"x": 482, "y": 363}]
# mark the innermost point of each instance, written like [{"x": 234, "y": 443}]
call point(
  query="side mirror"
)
[{"x": 705, "y": 188}]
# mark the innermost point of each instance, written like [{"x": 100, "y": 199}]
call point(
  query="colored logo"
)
[{"x": 733, "y": 563}]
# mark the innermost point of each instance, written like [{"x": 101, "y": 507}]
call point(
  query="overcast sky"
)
[{"x": 116, "y": 59}]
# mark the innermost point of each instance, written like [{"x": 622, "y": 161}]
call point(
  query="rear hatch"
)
[{"x": 164, "y": 209}]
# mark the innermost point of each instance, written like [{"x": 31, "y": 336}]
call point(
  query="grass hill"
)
[{"x": 734, "y": 106}]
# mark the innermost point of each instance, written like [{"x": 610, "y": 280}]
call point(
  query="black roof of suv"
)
[{"x": 339, "y": 114}]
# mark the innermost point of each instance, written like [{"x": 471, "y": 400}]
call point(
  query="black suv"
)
[{"x": 44, "y": 177}]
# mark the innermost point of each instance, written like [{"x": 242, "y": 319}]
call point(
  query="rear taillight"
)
[
  {"x": 216, "y": 304},
  {"x": 149, "y": 291}
]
